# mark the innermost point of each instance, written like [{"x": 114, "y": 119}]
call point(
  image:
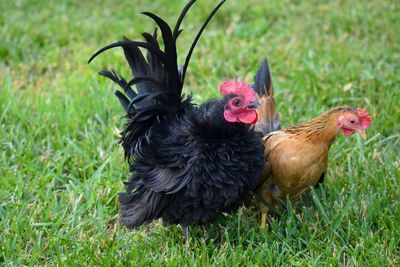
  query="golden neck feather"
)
[{"x": 322, "y": 128}]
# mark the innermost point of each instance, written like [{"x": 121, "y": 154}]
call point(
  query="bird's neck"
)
[{"x": 320, "y": 129}]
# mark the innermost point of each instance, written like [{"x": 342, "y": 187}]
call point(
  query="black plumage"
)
[{"x": 187, "y": 163}]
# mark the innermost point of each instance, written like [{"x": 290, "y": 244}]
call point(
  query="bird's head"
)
[
  {"x": 354, "y": 121},
  {"x": 240, "y": 102}
]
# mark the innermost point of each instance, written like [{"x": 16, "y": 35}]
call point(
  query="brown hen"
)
[{"x": 296, "y": 157}]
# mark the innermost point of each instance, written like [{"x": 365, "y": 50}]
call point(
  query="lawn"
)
[{"x": 61, "y": 167}]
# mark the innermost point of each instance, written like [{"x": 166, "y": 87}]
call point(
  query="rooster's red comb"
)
[{"x": 236, "y": 87}]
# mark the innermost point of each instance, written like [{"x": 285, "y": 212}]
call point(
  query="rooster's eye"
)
[
  {"x": 352, "y": 121},
  {"x": 236, "y": 102}
]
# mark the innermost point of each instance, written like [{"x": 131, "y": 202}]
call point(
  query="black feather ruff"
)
[{"x": 195, "y": 167}]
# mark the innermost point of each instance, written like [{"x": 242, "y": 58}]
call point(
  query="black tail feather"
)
[
  {"x": 123, "y": 100},
  {"x": 268, "y": 119},
  {"x": 141, "y": 79},
  {"x": 158, "y": 78},
  {"x": 149, "y": 47},
  {"x": 177, "y": 29},
  {"x": 155, "y": 65},
  {"x": 120, "y": 81},
  {"x": 136, "y": 62},
  {"x": 196, "y": 39},
  {"x": 262, "y": 80},
  {"x": 171, "y": 65}
]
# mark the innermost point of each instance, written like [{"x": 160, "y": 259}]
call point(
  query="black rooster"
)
[{"x": 188, "y": 163}]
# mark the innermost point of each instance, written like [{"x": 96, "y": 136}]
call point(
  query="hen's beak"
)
[
  {"x": 362, "y": 133},
  {"x": 254, "y": 105}
]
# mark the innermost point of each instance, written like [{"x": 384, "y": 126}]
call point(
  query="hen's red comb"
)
[
  {"x": 238, "y": 88},
  {"x": 365, "y": 119}
]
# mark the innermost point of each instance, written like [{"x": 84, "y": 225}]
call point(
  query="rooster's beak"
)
[
  {"x": 254, "y": 105},
  {"x": 362, "y": 133}
]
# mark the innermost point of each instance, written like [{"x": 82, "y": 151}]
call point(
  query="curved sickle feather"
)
[
  {"x": 169, "y": 51},
  {"x": 198, "y": 37},
  {"x": 153, "y": 49},
  {"x": 143, "y": 96},
  {"x": 151, "y": 39},
  {"x": 164, "y": 27},
  {"x": 181, "y": 17},
  {"x": 169, "y": 44},
  {"x": 144, "y": 79}
]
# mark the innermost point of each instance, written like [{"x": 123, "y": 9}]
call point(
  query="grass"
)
[{"x": 61, "y": 167}]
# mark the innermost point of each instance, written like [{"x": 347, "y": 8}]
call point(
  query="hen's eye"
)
[
  {"x": 236, "y": 102},
  {"x": 352, "y": 121}
]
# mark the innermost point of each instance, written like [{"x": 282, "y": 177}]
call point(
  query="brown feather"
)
[
  {"x": 296, "y": 158},
  {"x": 267, "y": 115}
]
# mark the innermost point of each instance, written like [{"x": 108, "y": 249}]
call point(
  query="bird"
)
[
  {"x": 188, "y": 163},
  {"x": 296, "y": 157}
]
